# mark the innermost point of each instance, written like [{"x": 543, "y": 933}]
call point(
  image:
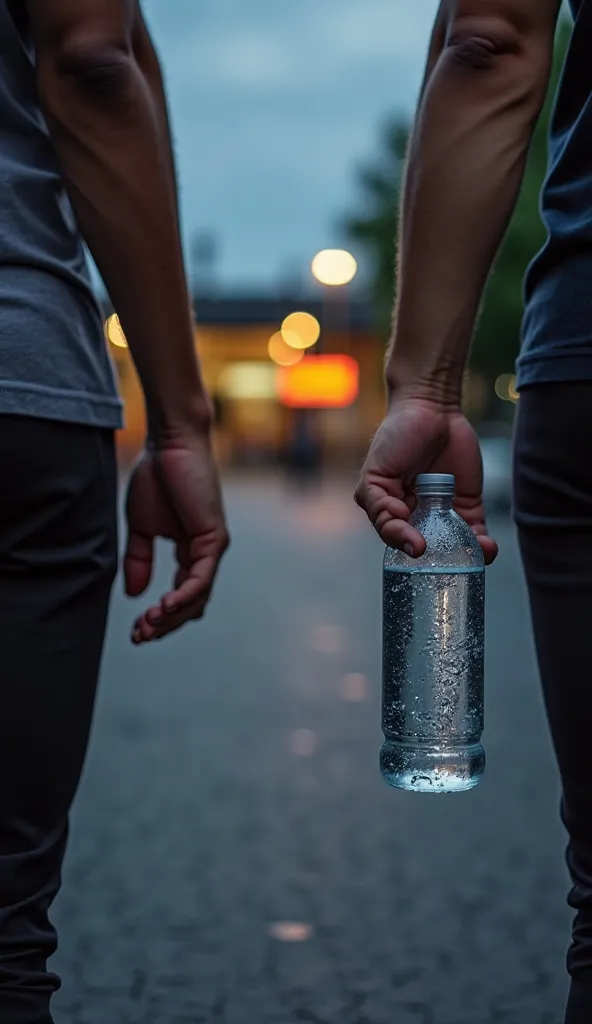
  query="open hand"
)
[{"x": 174, "y": 493}]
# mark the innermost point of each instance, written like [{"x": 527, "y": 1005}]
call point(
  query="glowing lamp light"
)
[
  {"x": 334, "y": 267},
  {"x": 282, "y": 353},
  {"x": 114, "y": 332},
  {"x": 301, "y": 330},
  {"x": 245, "y": 380},
  {"x": 319, "y": 382}
]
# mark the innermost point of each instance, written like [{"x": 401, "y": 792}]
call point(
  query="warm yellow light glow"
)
[
  {"x": 246, "y": 380},
  {"x": 505, "y": 387},
  {"x": 319, "y": 382},
  {"x": 301, "y": 330},
  {"x": 291, "y": 338},
  {"x": 114, "y": 332},
  {"x": 334, "y": 267},
  {"x": 282, "y": 353}
]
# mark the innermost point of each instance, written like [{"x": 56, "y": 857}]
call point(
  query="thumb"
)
[{"x": 138, "y": 563}]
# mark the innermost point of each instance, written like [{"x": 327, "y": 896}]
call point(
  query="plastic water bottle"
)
[{"x": 433, "y": 641}]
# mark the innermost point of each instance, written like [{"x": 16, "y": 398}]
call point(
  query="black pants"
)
[
  {"x": 58, "y": 555},
  {"x": 553, "y": 509}
]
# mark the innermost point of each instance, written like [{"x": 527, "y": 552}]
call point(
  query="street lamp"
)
[{"x": 334, "y": 267}]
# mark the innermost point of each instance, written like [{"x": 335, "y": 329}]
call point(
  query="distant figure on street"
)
[
  {"x": 84, "y": 153},
  {"x": 303, "y": 457},
  {"x": 486, "y": 79}
]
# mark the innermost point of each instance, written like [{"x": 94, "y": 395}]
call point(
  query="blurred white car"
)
[{"x": 497, "y": 471}]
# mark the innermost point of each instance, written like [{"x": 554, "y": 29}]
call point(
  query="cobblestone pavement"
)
[{"x": 232, "y": 806}]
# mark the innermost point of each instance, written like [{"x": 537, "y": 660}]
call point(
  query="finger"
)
[
  {"x": 389, "y": 516},
  {"x": 166, "y": 622},
  {"x": 472, "y": 511},
  {"x": 142, "y": 633},
  {"x": 396, "y": 533},
  {"x": 155, "y": 624},
  {"x": 145, "y": 625},
  {"x": 488, "y": 546},
  {"x": 186, "y": 603},
  {"x": 137, "y": 564},
  {"x": 194, "y": 585},
  {"x": 379, "y": 505},
  {"x": 373, "y": 498},
  {"x": 174, "y": 623}
]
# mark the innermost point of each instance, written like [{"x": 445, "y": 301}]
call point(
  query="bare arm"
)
[
  {"x": 436, "y": 46},
  {"x": 100, "y": 85},
  {"x": 486, "y": 80},
  {"x": 101, "y": 88},
  {"x": 435, "y": 49},
  {"x": 149, "y": 64}
]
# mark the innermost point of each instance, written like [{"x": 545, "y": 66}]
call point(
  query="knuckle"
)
[{"x": 382, "y": 518}]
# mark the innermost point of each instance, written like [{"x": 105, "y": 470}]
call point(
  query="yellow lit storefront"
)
[{"x": 247, "y": 349}]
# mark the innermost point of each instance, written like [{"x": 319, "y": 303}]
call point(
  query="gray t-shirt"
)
[{"x": 54, "y": 362}]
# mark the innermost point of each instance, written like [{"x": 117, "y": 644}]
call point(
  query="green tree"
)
[{"x": 374, "y": 231}]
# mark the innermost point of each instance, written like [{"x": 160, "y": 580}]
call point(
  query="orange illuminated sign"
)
[{"x": 319, "y": 382}]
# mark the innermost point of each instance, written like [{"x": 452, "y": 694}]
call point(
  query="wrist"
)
[
  {"x": 167, "y": 428},
  {"x": 441, "y": 386}
]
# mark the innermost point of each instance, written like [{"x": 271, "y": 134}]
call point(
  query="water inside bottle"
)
[{"x": 433, "y": 678}]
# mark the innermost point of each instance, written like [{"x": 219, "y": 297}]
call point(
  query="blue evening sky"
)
[{"x": 273, "y": 105}]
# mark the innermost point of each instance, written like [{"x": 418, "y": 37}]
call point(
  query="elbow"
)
[
  {"x": 99, "y": 74},
  {"x": 501, "y": 52}
]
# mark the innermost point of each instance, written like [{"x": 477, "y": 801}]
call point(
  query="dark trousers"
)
[
  {"x": 553, "y": 510},
  {"x": 58, "y": 556}
]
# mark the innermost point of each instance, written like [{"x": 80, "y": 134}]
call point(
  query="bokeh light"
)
[
  {"x": 334, "y": 267},
  {"x": 114, "y": 332},
  {"x": 244, "y": 380},
  {"x": 505, "y": 387},
  {"x": 319, "y": 382},
  {"x": 354, "y": 688},
  {"x": 301, "y": 330},
  {"x": 291, "y": 931},
  {"x": 282, "y": 353}
]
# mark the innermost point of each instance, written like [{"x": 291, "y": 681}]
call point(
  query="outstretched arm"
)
[{"x": 486, "y": 79}]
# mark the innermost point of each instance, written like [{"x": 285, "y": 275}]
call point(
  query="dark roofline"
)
[{"x": 262, "y": 310}]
